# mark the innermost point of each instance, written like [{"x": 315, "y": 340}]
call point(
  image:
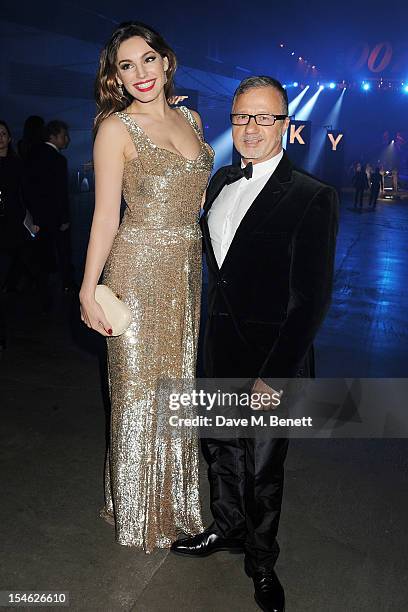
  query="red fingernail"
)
[{"x": 109, "y": 331}]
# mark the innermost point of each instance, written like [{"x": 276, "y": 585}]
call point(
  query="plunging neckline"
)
[{"x": 153, "y": 144}]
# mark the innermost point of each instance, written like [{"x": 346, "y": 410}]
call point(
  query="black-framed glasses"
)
[{"x": 260, "y": 119}]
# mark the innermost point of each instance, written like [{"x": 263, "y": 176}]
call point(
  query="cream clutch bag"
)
[{"x": 116, "y": 311}]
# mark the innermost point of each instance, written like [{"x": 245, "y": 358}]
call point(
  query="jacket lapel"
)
[
  {"x": 215, "y": 187},
  {"x": 265, "y": 202}
]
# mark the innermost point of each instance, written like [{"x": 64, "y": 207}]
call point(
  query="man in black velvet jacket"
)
[{"x": 269, "y": 233}]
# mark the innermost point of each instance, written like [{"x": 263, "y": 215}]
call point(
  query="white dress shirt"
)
[{"x": 232, "y": 204}]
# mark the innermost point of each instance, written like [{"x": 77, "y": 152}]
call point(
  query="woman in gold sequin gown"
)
[{"x": 156, "y": 155}]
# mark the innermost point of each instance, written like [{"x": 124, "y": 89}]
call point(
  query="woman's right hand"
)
[{"x": 93, "y": 316}]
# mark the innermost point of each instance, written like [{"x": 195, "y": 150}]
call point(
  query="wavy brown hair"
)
[{"x": 109, "y": 98}]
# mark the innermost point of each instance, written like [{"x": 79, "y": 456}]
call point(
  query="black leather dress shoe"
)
[
  {"x": 205, "y": 544},
  {"x": 269, "y": 593}
]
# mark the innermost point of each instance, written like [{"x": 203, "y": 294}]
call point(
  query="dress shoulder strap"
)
[
  {"x": 135, "y": 131},
  {"x": 190, "y": 118}
]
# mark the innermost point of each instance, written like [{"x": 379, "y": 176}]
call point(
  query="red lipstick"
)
[{"x": 142, "y": 85}]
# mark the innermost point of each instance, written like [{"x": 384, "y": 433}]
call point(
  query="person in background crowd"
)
[
  {"x": 382, "y": 174},
  {"x": 32, "y": 136},
  {"x": 33, "y": 133},
  {"x": 46, "y": 194},
  {"x": 360, "y": 183},
  {"x": 369, "y": 171},
  {"x": 12, "y": 212},
  {"x": 394, "y": 174},
  {"x": 375, "y": 187}
]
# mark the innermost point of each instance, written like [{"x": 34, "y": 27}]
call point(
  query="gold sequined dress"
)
[{"x": 151, "y": 475}]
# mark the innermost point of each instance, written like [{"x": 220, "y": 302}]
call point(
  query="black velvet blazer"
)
[{"x": 271, "y": 294}]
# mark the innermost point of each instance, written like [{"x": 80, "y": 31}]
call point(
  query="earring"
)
[
  {"x": 165, "y": 77},
  {"x": 120, "y": 87}
]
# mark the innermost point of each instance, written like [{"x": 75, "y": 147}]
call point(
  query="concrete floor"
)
[{"x": 343, "y": 528}]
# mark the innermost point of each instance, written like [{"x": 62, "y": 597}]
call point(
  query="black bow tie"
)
[{"x": 236, "y": 172}]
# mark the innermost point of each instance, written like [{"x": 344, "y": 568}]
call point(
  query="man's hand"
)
[
  {"x": 64, "y": 227},
  {"x": 262, "y": 391}
]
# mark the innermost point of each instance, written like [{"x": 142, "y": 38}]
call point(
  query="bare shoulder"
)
[
  {"x": 112, "y": 134},
  {"x": 111, "y": 126}
]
